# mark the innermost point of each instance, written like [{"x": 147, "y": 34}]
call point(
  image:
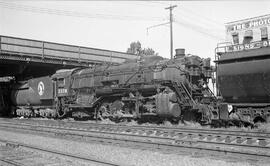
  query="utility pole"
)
[{"x": 171, "y": 28}]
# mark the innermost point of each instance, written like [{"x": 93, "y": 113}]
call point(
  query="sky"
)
[{"x": 198, "y": 25}]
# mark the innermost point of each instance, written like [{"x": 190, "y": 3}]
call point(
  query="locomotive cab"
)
[{"x": 62, "y": 80}]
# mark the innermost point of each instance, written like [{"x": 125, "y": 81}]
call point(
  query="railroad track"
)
[
  {"x": 221, "y": 141},
  {"x": 18, "y": 158},
  {"x": 217, "y": 135}
]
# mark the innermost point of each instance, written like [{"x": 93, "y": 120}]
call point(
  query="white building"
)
[{"x": 248, "y": 33}]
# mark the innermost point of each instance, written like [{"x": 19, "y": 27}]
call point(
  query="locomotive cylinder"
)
[{"x": 166, "y": 106}]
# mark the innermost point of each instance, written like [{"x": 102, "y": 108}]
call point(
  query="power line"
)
[
  {"x": 201, "y": 26},
  {"x": 202, "y": 17},
  {"x": 195, "y": 27},
  {"x": 158, "y": 2},
  {"x": 193, "y": 15},
  {"x": 74, "y": 13},
  {"x": 201, "y": 22},
  {"x": 147, "y": 29},
  {"x": 95, "y": 16},
  {"x": 199, "y": 29},
  {"x": 187, "y": 14},
  {"x": 141, "y": 3}
]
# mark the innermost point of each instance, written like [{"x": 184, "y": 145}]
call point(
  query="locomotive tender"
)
[
  {"x": 243, "y": 71},
  {"x": 146, "y": 88}
]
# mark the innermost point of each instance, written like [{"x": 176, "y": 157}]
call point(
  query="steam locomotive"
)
[{"x": 149, "y": 88}]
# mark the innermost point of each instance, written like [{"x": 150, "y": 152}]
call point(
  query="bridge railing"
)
[{"x": 49, "y": 50}]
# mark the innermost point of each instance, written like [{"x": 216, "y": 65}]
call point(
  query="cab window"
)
[{"x": 61, "y": 82}]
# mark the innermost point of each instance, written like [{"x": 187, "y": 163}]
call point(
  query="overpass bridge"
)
[{"x": 31, "y": 58}]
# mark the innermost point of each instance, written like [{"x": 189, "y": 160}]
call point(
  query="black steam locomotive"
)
[{"x": 149, "y": 88}]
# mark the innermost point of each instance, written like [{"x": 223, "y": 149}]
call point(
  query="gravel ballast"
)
[{"x": 120, "y": 155}]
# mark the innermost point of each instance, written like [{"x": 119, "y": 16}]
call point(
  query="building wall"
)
[{"x": 242, "y": 27}]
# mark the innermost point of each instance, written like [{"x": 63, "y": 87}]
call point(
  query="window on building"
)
[
  {"x": 235, "y": 38},
  {"x": 264, "y": 33},
  {"x": 248, "y": 37}
]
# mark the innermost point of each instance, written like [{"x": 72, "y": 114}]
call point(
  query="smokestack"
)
[{"x": 179, "y": 53}]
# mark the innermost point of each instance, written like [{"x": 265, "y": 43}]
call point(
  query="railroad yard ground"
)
[
  {"x": 120, "y": 154},
  {"x": 117, "y": 154}
]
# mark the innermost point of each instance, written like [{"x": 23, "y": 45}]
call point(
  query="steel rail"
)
[
  {"x": 109, "y": 133},
  {"x": 236, "y": 133},
  {"x": 176, "y": 144},
  {"x": 8, "y": 161},
  {"x": 187, "y": 129},
  {"x": 219, "y": 138},
  {"x": 88, "y": 159}
]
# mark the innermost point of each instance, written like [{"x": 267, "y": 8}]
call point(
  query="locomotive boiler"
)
[{"x": 152, "y": 87}]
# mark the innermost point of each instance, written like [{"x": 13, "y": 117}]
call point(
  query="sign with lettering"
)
[
  {"x": 248, "y": 24},
  {"x": 253, "y": 45}
]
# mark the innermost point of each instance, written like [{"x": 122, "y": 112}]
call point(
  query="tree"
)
[
  {"x": 148, "y": 51},
  {"x": 136, "y": 48}
]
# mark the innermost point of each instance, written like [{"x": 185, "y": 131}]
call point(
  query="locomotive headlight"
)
[{"x": 230, "y": 108}]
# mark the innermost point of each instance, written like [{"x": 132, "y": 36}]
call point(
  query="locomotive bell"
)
[{"x": 179, "y": 53}]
